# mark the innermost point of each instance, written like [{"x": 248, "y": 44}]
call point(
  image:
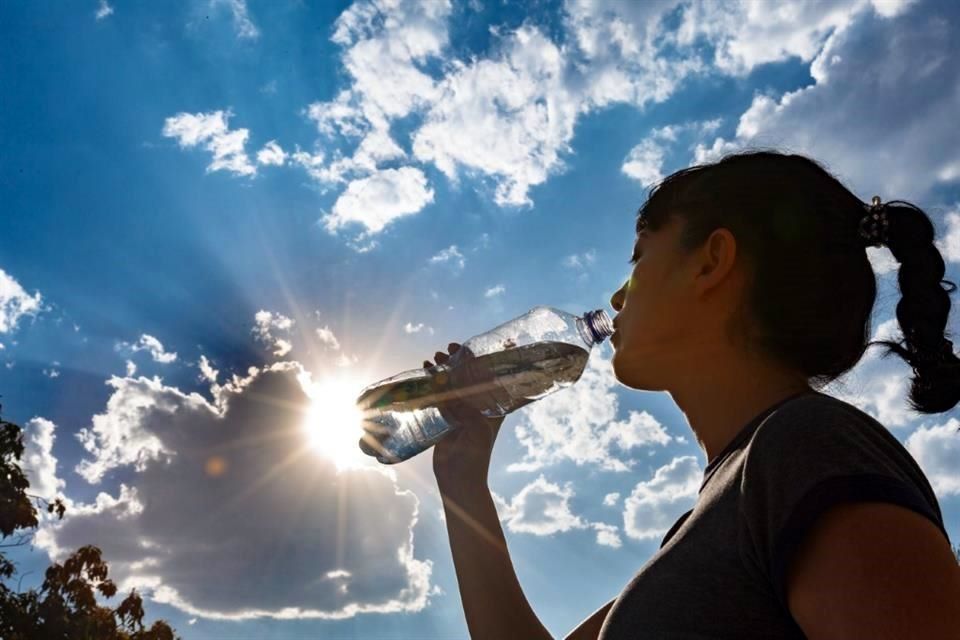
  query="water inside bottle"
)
[{"x": 404, "y": 417}]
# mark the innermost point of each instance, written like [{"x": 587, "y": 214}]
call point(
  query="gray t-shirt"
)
[{"x": 720, "y": 571}]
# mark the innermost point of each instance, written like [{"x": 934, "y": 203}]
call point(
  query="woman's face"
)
[{"x": 656, "y": 310}]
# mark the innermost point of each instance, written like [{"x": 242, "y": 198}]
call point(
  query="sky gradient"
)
[{"x": 221, "y": 219}]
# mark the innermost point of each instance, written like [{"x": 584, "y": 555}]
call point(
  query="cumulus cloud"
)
[
  {"x": 151, "y": 344},
  {"x": 210, "y": 131},
  {"x": 579, "y": 424},
  {"x": 655, "y": 504},
  {"x": 38, "y": 461},
  {"x": 266, "y": 325},
  {"x": 644, "y": 162},
  {"x": 15, "y": 303},
  {"x": 377, "y": 200},
  {"x": 936, "y": 449},
  {"x": 580, "y": 261},
  {"x": 542, "y": 508},
  {"x": 747, "y": 34},
  {"x": 611, "y": 499},
  {"x": 881, "y": 112},
  {"x": 494, "y": 291},
  {"x": 241, "y": 17},
  {"x": 510, "y": 118},
  {"x": 385, "y": 44},
  {"x": 452, "y": 255},
  {"x": 416, "y": 328},
  {"x": 326, "y": 337},
  {"x": 271, "y": 154},
  {"x": 223, "y": 497},
  {"x": 103, "y": 10},
  {"x": 206, "y": 370}
]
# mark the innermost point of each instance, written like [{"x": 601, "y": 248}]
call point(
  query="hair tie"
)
[{"x": 874, "y": 223}]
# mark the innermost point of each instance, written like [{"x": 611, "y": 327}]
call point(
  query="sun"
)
[{"x": 333, "y": 423}]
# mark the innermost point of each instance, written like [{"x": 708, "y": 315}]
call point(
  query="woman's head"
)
[{"x": 762, "y": 249}]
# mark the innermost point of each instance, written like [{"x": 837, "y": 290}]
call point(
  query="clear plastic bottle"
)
[{"x": 510, "y": 366}]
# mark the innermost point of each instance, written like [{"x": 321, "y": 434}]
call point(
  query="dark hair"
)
[{"x": 812, "y": 289}]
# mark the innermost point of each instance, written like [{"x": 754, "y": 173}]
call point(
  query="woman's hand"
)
[{"x": 463, "y": 456}]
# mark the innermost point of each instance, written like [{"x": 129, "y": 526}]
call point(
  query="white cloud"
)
[
  {"x": 748, "y": 34},
  {"x": 114, "y": 439},
  {"x": 103, "y": 10},
  {"x": 510, "y": 118},
  {"x": 384, "y": 43},
  {"x": 38, "y": 461},
  {"x": 379, "y": 199},
  {"x": 15, "y": 303},
  {"x": 607, "y": 535},
  {"x": 576, "y": 261},
  {"x": 131, "y": 368},
  {"x": 151, "y": 344},
  {"x": 881, "y": 113},
  {"x": 326, "y": 337},
  {"x": 494, "y": 291},
  {"x": 191, "y": 527},
  {"x": 654, "y": 505},
  {"x": 377, "y": 147},
  {"x": 342, "y": 115},
  {"x": 210, "y": 131},
  {"x": 542, "y": 508},
  {"x": 644, "y": 162},
  {"x": 937, "y": 450},
  {"x": 206, "y": 370},
  {"x": 579, "y": 424},
  {"x": 52, "y": 372},
  {"x": 948, "y": 242},
  {"x": 241, "y": 17},
  {"x": 450, "y": 254},
  {"x": 266, "y": 324},
  {"x": 416, "y": 328},
  {"x": 611, "y": 499},
  {"x": 271, "y": 154}
]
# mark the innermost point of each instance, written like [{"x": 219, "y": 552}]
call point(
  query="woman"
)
[{"x": 750, "y": 290}]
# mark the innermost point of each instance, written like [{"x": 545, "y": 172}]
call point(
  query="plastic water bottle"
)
[{"x": 510, "y": 366}]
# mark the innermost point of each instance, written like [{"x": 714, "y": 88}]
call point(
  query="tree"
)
[{"x": 65, "y": 606}]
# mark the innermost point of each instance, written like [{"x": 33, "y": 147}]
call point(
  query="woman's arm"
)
[
  {"x": 589, "y": 629},
  {"x": 875, "y": 570},
  {"x": 493, "y": 602}
]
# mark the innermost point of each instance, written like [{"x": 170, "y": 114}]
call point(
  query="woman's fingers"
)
[{"x": 440, "y": 357}]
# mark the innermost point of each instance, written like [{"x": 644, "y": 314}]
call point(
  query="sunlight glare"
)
[{"x": 333, "y": 422}]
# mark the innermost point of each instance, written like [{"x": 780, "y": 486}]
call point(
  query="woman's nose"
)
[{"x": 616, "y": 301}]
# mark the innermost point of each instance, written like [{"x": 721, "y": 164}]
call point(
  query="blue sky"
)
[{"x": 222, "y": 218}]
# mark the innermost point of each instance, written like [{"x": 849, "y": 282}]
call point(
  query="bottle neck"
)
[{"x": 595, "y": 327}]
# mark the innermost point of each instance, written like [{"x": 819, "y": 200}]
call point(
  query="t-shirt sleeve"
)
[{"x": 805, "y": 460}]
